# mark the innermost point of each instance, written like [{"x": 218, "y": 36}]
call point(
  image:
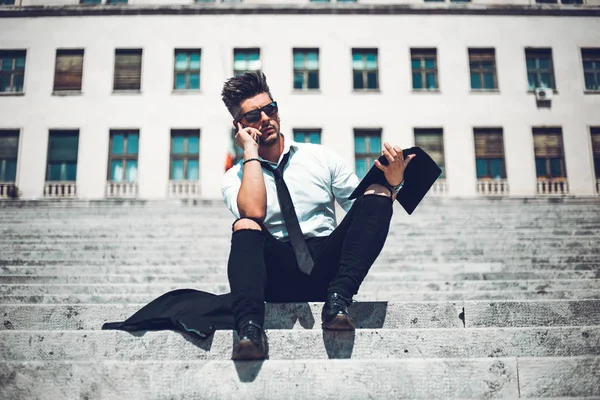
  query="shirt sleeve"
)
[
  {"x": 343, "y": 180},
  {"x": 232, "y": 181}
]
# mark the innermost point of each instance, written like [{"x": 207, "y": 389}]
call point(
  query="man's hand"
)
[
  {"x": 394, "y": 171},
  {"x": 247, "y": 138}
]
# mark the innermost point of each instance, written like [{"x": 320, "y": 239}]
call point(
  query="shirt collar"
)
[{"x": 288, "y": 145}]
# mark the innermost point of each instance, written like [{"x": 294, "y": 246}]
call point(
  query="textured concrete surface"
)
[
  {"x": 380, "y": 344},
  {"x": 298, "y": 379}
]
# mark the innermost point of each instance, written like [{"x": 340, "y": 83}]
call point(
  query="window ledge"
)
[
  {"x": 12, "y": 93},
  {"x": 306, "y": 91},
  {"x": 126, "y": 92},
  {"x": 357, "y": 91},
  {"x": 67, "y": 93},
  {"x": 431, "y": 91},
  {"x": 485, "y": 91},
  {"x": 554, "y": 91},
  {"x": 185, "y": 92},
  {"x": 591, "y": 92}
]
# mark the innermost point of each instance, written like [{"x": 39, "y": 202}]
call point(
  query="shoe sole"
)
[
  {"x": 340, "y": 323},
  {"x": 246, "y": 350}
]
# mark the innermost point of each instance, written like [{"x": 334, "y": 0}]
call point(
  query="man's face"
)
[{"x": 267, "y": 125}]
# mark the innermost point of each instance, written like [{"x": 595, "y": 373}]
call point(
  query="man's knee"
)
[
  {"x": 246, "y": 223},
  {"x": 378, "y": 189}
]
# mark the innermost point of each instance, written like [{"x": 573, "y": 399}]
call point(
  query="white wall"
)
[{"x": 335, "y": 108}]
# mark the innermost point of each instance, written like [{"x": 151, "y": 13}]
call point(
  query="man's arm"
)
[{"x": 252, "y": 197}]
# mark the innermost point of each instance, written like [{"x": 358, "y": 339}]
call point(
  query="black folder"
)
[{"x": 420, "y": 174}]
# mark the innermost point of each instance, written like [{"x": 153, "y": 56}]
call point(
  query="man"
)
[{"x": 267, "y": 262}]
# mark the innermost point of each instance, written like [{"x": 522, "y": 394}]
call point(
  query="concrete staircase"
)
[{"x": 475, "y": 298}]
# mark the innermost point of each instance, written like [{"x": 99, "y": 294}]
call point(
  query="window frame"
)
[
  {"x": 247, "y": 51},
  {"x": 305, "y": 70},
  {"x": 549, "y": 131},
  {"x": 122, "y": 157},
  {"x": 538, "y": 71},
  {"x": 500, "y": 156},
  {"x": 61, "y": 132},
  {"x": 188, "y": 71},
  {"x": 128, "y": 51},
  {"x": 307, "y": 132},
  {"x": 369, "y": 155},
  {"x": 595, "y": 71},
  {"x": 15, "y": 54},
  {"x": 79, "y": 74},
  {"x": 365, "y": 72},
  {"x": 437, "y": 131},
  {"x": 421, "y": 53},
  {"x": 186, "y": 156},
  {"x": 4, "y": 160},
  {"x": 480, "y": 55}
]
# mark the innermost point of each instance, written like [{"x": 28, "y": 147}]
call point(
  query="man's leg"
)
[
  {"x": 350, "y": 252},
  {"x": 247, "y": 276}
]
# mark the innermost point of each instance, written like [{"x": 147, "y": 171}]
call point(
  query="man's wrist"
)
[{"x": 394, "y": 189}]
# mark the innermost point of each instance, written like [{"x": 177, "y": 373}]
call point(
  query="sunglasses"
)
[{"x": 254, "y": 115}]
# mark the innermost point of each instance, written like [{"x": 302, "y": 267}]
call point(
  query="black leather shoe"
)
[
  {"x": 252, "y": 343},
  {"x": 335, "y": 313}
]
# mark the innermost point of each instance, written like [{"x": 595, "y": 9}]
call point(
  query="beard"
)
[{"x": 271, "y": 141}]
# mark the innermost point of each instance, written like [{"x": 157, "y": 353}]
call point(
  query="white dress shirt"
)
[{"x": 315, "y": 177}]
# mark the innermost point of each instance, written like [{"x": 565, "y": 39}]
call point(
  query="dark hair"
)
[{"x": 242, "y": 87}]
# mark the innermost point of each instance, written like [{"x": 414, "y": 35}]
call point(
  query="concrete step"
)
[
  {"x": 175, "y": 274},
  {"x": 361, "y": 296},
  {"x": 366, "y": 314},
  {"x": 81, "y": 345},
  {"x": 369, "y": 286},
  {"x": 506, "y": 378}
]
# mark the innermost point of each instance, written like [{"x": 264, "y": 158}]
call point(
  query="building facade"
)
[{"x": 105, "y": 98}]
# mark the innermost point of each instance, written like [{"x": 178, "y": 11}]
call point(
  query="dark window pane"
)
[
  {"x": 193, "y": 145},
  {"x": 315, "y": 138},
  {"x": 416, "y": 63},
  {"x": 360, "y": 145},
  {"x": 193, "y": 170},
  {"x": 132, "y": 144},
  {"x": 116, "y": 171},
  {"x": 10, "y": 174},
  {"x": 131, "y": 171},
  {"x": 532, "y": 79},
  {"x": 374, "y": 144},
  {"x": 298, "y": 80},
  {"x": 358, "y": 80},
  {"x": 180, "y": 81},
  {"x": 361, "y": 168},
  {"x": 313, "y": 80},
  {"x": 545, "y": 80},
  {"x": 429, "y": 63},
  {"x": 117, "y": 144},
  {"x": 178, "y": 145},
  {"x": 70, "y": 171},
  {"x": 590, "y": 82},
  {"x": 497, "y": 168},
  {"x": 18, "y": 82},
  {"x": 372, "y": 80},
  {"x": 475, "y": 81},
  {"x": 194, "y": 81},
  {"x": 177, "y": 170},
  {"x": 417, "y": 81},
  {"x": 482, "y": 168},
  {"x": 431, "y": 84},
  {"x": 597, "y": 167},
  {"x": 299, "y": 137},
  {"x": 540, "y": 167},
  {"x": 555, "y": 167},
  {"x": 54, "y": 172},
  {"x": 488, "y": 80},
  {"x": 544, "y": 63}
]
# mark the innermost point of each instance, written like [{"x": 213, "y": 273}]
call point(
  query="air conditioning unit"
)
[{"x": 543, "y": 94}]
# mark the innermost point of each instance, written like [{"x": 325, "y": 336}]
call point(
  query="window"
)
[
  {"x": 306, "y": 68},
  {"x": 9, "y": 150},
  {"x": 424, "y": 69},
  {"x": 595, "y": 133},
  {"x": 562, "y": 1},
  {"x": 245, "y": 60},
  {"x": 432, "y": 142},
  {"x": 7, "y": 2},
  {"x": 100, "y": 1},
  {"x": 482, "y": 63},
  {"x": 68, "y": 71},
  {"x": 489, "y": 153},
  {"x": 62, "y": 155},
  {"x": 548, "y": 149},
  {"x": 116, "y": 1},
  {"x": 185, "y": 150},
  {"x": 236, "y": 151},
  {"x": 307, "y": 136},
  {"x": 187, "y": 69},
  {"x": 123, "y": 155},
  {"x": 540, "y": 72},
  {"x": 90, "y": 2},
  {"x": 128, "y": 69},
  {"x": 591, "y": 68},
  {"x": 12, "y": 70},
  {"x": 364, "y": 69},
  {"x": 367, "y": 148}
]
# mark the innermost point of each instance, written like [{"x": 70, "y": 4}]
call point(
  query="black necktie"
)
[{"x": 290, "y": 218}]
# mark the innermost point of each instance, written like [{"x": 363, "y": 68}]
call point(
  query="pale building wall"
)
[{"x": 335, "y": 108}]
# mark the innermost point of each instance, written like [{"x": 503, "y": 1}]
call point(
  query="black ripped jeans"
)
[{"x": 262, "y": 268}]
